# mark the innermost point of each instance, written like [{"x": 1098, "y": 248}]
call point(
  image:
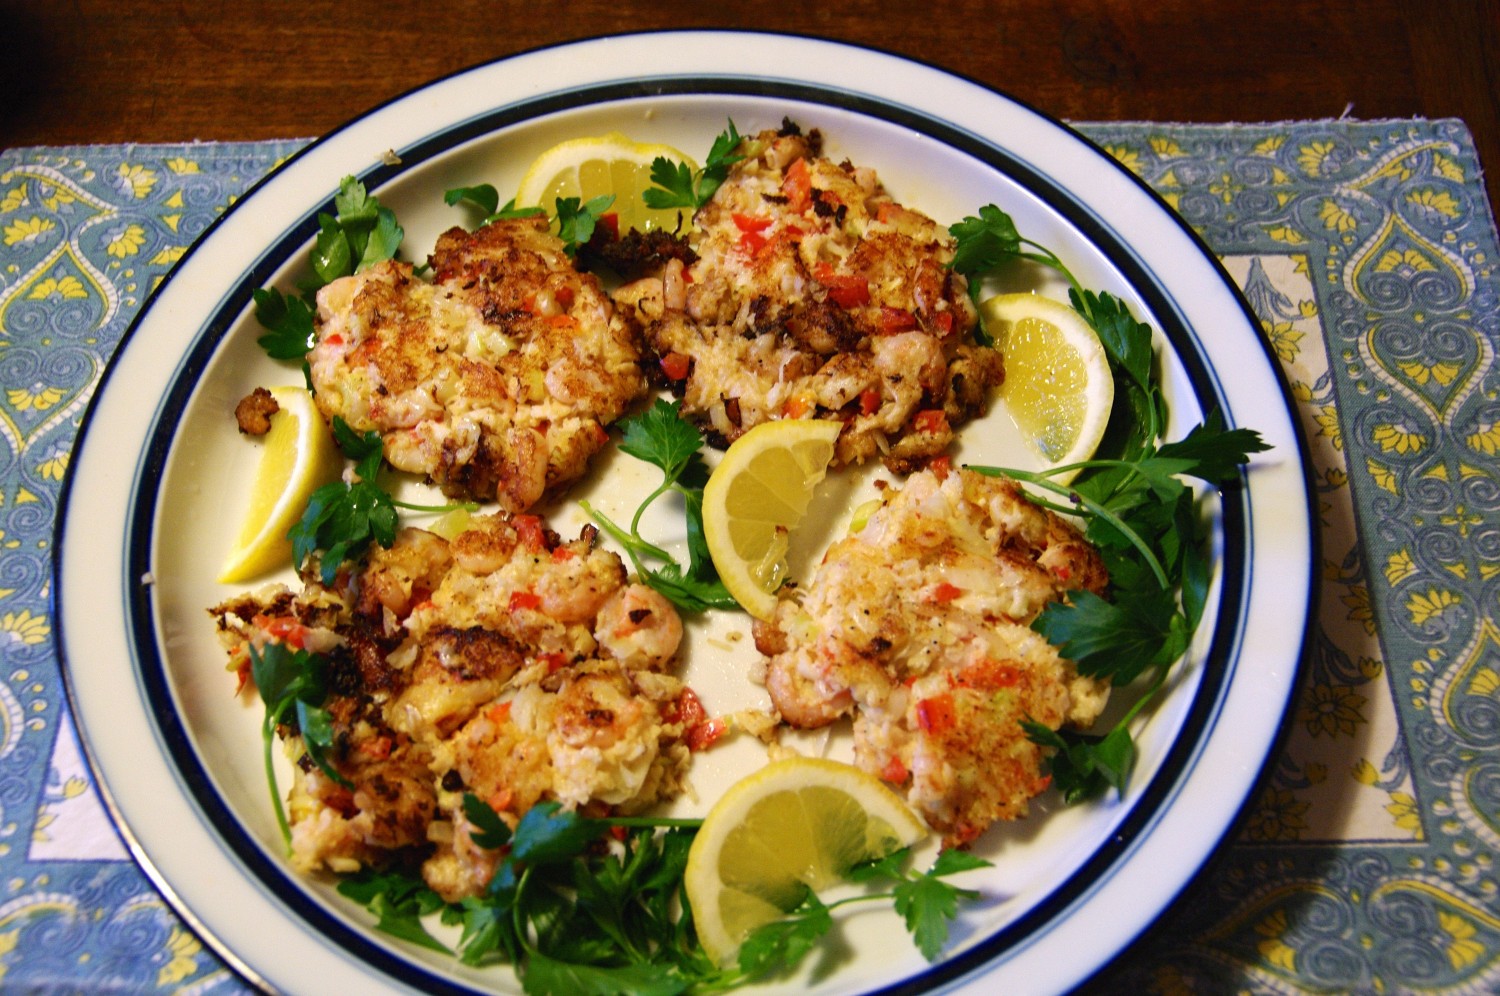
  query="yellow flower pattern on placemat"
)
[
  {"x": 85, "y": 234},
  {"x": 1346, "y": 696},
  {"x": 1366, "y": 863}
]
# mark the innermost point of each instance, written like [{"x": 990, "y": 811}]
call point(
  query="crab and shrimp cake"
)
[
  {"x": 495, "y": 379},
  {"x": 813, "y": 293},
  {"x": 917, "y": 626},
  {"x": 506, "y": 663}
]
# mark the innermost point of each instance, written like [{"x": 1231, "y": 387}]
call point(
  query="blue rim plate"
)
[{"x": 175, "y": 751}]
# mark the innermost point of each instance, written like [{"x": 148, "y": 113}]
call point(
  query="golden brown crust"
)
[
  {"x": 506, "y": 663},
  {"x": 496, "y": 379},
  {"x": 917, "y": 626},
  {"x": 816, "y": 295}
]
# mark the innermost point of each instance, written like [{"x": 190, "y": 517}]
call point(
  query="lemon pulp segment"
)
[
  {"x": 758, "y": 493},
  {"x": 1058, "y": 388}
]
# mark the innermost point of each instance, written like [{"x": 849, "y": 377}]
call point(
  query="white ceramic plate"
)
[{"x": 159, "y": 472}]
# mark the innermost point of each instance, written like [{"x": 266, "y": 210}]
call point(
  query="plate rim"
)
[{"x": 59, "y": 552}]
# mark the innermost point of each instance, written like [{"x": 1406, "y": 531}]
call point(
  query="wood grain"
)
[{"x": 90, "y": 71}]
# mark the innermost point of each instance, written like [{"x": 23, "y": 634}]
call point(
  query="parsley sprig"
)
[
  {"x": 661, "y": 437},
  {"x": 485, "y": 197},
  {"x": 288, "y": 321},
  {"x": 399, "y": 901},
  {"x": 925, "y": 902},
  {"x": 360, "y": 233},
  {"x": 985, "y": 241},
  {"x": 1143, "y": 518},
  {"x": 1137, "y": 509},
  {"x": 575, "y": 218},
  {"x": 344, "y": 517},
  {"x": 293, "y": 685},
  {"x": 581, "y": 905},
  {"x": 679, "y": 186},
  {"x": 989, "y": 240},
  {"x": 363, "y": 232}
]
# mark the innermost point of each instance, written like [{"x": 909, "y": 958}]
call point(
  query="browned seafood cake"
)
[
  {"x": 495, "y": 379},
  {"x": 816, "y": 294},
  {"x": 917, "y": 626},
  {"x": 505, "y": 663}
]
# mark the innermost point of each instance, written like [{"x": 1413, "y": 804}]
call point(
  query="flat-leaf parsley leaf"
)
[
  {"x": 293, "y": 685},
  {"x": 344, "y": 517},
  {"x": 679, "y": 186}
]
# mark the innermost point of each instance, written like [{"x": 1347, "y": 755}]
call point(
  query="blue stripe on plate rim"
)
[{"x": 1219, "y": 662}]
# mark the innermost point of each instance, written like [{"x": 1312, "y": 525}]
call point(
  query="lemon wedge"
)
[
  {"x": 1058, "y": 388},
  {"x": 755, "y": 497},
  {"x": 794, "y": 823},
  {"x": 298, "y": 456},
  {"x": 608, "y": 164}
]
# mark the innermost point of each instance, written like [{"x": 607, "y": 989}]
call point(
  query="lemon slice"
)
[
  {"x": 756, "y": 495},
  {"x": 1058, "y": 388},
  {"x": 794, "y": 823},
  {"x": 590, "y": 167},
  {"x": 298, "y": 456}
]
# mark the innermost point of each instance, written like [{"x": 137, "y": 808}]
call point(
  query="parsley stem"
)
[
  {"x": 517, "y": 917},
  {"x": 632, "y": 542},
  {"x": 1158, "y": 679},
  {"x": 1047, "y": 257},
  {"x": 864, "y": 898},
  {"x": 268, "y": 735},
  {"x": 1131, "y": 536},
  {"x": 1090, "y": 464},
  {"x": 467, "y": 506},
  {"x": 661, "y": 489}
]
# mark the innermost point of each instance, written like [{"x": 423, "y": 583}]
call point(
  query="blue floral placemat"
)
[{"x": 1368, "y": 251}]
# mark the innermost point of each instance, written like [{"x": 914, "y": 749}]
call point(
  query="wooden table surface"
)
[{"x": 86, "y": 71}]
